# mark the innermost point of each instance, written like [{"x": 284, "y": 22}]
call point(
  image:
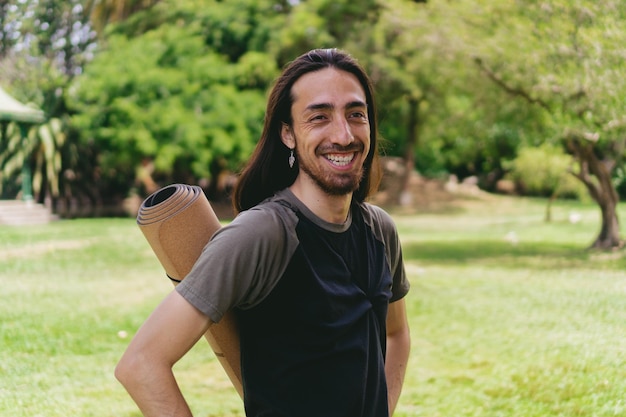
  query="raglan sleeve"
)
[
  {"x": 241, "y": 264},
  {"x": 400, "y": 283}
]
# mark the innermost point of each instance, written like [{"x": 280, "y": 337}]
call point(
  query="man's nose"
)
[{"x": 342, "y": 133}]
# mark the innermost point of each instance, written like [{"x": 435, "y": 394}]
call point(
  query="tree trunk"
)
[
  {"x": 601, "y": 189},
  {"x": 609, "y": 232},
  {"x": 548, "y": 217},
  {"x": 409, "y": 151}
]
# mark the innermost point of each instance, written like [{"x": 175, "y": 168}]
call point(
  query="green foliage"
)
[
  {"x": 570, "y": 65},
  {"x": 183, "y": 82},
  {"x": 48, "y": 163},
  {"x": 169, "y": 96},
  {"x": 41, "y": 148},
  {"x": 545, "y": 171},
  {"x": 323, "y": 24},
  {"x": 11, "y": 159},
  {"x": 465, "y": 126},
  {"x": 558, "y": 61}
]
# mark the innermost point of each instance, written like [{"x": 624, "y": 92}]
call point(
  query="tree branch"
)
[{"x": 516, "y": 91}]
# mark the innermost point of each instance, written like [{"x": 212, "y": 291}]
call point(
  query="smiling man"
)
[
  {"x": 313, "y": 273},
  {"x": 330, "y": 133}
]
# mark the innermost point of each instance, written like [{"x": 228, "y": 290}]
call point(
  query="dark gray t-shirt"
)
[{"x": 244, "y": 260}]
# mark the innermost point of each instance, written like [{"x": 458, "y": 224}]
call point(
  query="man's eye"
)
[{"x": 359, "y": 115}]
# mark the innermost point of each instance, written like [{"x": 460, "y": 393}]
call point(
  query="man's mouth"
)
[{"x": 340, "y": 159}]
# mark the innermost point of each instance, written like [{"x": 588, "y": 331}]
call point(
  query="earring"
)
[{"x": 292, "y": 159}]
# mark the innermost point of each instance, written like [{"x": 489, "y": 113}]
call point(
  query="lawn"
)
[{"x": 510, "y": 316}]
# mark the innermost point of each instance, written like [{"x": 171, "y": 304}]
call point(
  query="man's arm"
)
[
  {"x": 398, "y": 347},
  {"x": 145, "y": 369}
]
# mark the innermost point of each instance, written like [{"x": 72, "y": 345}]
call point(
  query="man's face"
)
[{"x": 330, "y": 131}]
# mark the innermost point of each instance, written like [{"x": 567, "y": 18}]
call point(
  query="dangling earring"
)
[{"x": 292, "y": 159}]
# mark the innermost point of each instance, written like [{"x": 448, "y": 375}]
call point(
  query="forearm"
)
[
  {"x": 145, "y": 369},
  {"x": 153, "y": 389},
  {"x": 398, "y": 347}
]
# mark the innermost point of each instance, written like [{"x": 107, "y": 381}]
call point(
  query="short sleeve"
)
[
  {"x": 385, "y": 229},
  {"x": 242, "y": 262}
]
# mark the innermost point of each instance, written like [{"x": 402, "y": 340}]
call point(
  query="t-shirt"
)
[{"x": 311, "y": 299}]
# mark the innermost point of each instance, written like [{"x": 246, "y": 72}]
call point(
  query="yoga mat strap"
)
[{"x": 174, "y": 279}]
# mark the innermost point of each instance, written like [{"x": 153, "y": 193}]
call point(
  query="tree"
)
[
  {"x": 103, "y": 12},
  {"x": 572, "y": 68},
  {"x": 8, "y": 28},
  {"x": 176, "y": 87},
  {"x": 323, "y": 24},
  {"x": 421, "y": 81}
]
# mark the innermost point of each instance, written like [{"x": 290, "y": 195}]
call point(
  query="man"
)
[{"x": 314, "y": 274}]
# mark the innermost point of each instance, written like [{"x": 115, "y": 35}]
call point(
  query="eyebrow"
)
[{"x": 330, "y": 106}]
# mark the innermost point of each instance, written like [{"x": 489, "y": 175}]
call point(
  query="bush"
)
[{"x": 545, "y": 171}]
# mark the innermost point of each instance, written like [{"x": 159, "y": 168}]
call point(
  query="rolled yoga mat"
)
[{"x": 178, "y": 222}]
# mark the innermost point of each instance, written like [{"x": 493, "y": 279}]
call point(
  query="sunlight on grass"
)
[{"x": 510, "y": 316}]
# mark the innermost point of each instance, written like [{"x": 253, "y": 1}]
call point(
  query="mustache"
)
[{"x": 353, "y": 147}]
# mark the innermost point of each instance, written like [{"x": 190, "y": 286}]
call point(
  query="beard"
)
[{"x": 332, "y": 183}]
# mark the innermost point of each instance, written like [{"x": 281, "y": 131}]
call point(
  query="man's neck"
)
[{"x": 331, "y": 208}]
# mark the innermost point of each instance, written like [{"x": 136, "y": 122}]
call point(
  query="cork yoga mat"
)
[{"x": 178, "y": 221}]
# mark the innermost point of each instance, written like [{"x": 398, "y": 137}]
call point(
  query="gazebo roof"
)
[{"x": 13, "y": 111}]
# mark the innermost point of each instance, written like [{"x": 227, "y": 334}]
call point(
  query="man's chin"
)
[
  {"x": 335, "y": 184},
  {"x": 340, "y": 188}
]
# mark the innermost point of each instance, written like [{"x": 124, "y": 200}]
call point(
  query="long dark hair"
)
[{"x": 267, "y": 170}]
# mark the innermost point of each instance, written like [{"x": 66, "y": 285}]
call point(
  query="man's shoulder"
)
[
  {"x": 281, "y": 202},
  {"x": 271, "y": 212},
  {"x": 376, "y": 216}
]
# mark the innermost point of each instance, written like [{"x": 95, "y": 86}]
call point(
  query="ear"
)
[{"x": 286, "y": 135}]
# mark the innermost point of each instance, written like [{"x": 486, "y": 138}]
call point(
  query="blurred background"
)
[{"x": 515, "y": 97}]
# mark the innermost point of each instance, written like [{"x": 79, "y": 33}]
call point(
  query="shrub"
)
[{"x": 545, "y": 171}]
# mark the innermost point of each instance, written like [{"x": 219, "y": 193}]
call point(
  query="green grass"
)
[
  {"x": 510, "y": 316},
  {"x": 532, "y": 327}
]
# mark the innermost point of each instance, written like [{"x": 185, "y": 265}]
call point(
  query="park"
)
[
  {"x": 502, "y": 135},
  {"x": 530, "y": 326}
]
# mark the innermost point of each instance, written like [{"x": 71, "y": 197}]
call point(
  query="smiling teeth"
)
[{"x": 340, "y": 160}]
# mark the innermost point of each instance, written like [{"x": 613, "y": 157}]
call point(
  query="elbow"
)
[
  {"x": 123, "y": 371},
  {"x": 401, "y": 334},
  {"x": 136, "y": 369},
  {"x": 400, "y": 341},
  {"x": 129, "y": 369}
]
